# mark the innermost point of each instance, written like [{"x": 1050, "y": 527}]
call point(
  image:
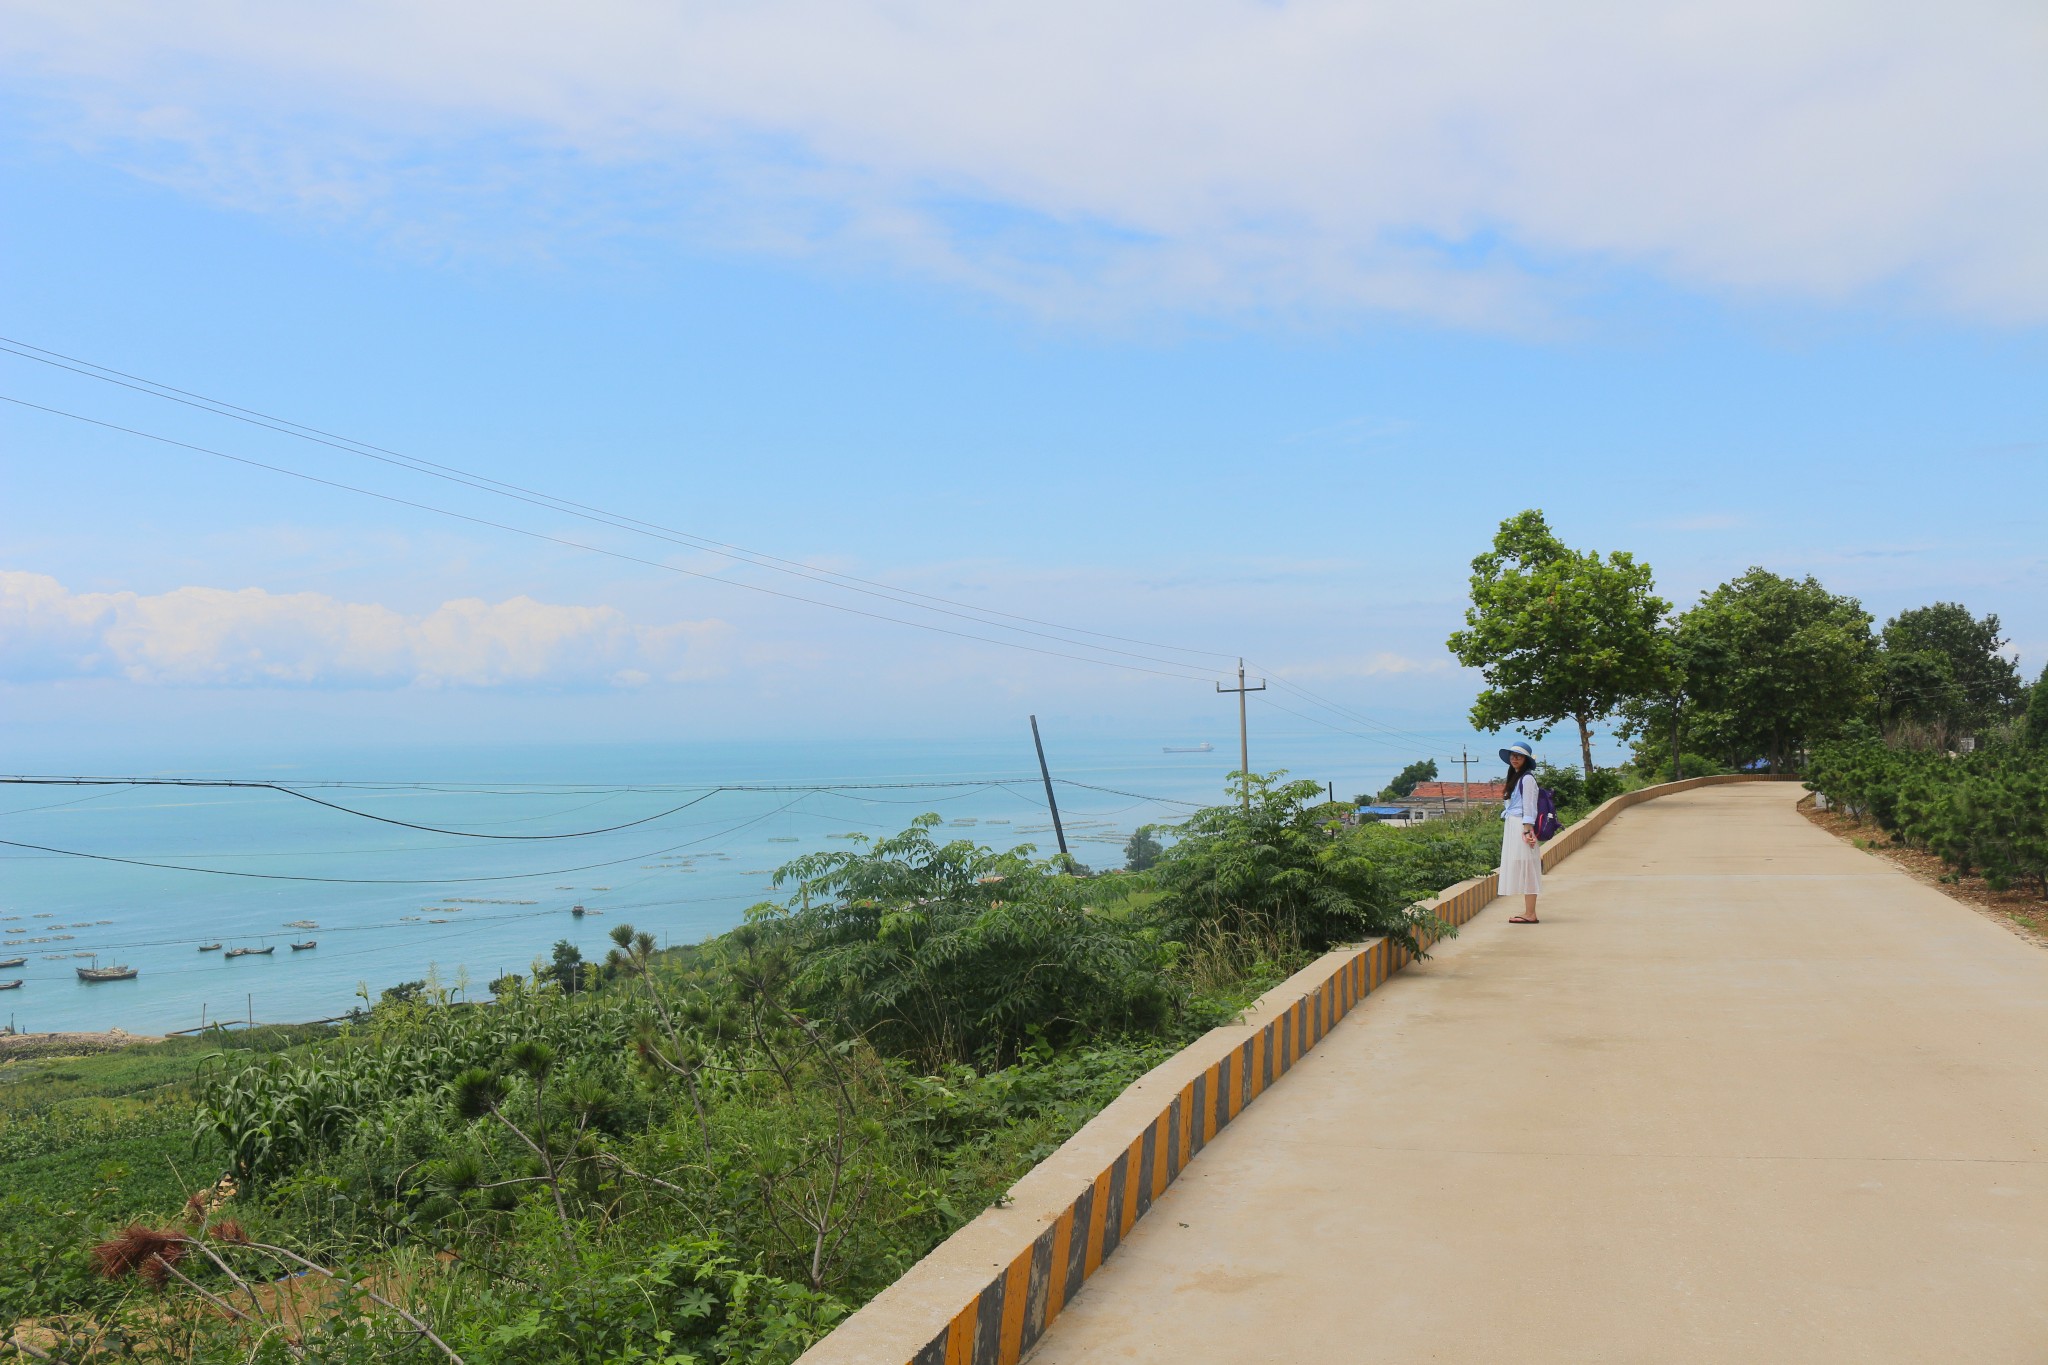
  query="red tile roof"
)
[{"x": 1457, "y": 791}]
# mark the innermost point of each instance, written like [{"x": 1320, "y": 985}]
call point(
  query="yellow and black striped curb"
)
[{"x": 1226, "y": 1070}]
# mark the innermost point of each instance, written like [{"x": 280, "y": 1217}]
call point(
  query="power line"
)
[
  {"x": 889, "y": 592},
  {"x": 1186, "y": 676},
  {"x": 553, "y": 502}
]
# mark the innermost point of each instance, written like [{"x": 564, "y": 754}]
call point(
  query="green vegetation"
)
[
  {"x": 1142, "y": 849},
  {"x": 1559, "y": 634},
  {"x": 706, "y": 1154},
  {"x": 1983, "y": 813},
  {"x": 1755, "y": 674},
  {"x": 1407, "y": 780}
]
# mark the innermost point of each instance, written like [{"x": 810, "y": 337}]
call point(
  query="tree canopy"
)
[
  {"x": 1943, "y": 674},
  {"x": 1774, "y": 665},
  {"x": 1558, "y": 634},
  {"x": 1405, "y": 781}
]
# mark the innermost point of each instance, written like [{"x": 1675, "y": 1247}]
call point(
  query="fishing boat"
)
[
  {"x": 209, "y": 947},
  {"x": 250, "y": 952},
  {"x": 13, "y": 962},
  {"x": 13, "y": 985},
  {"x": 309, "y": 943},
  {"x": 106, "y": 973}
]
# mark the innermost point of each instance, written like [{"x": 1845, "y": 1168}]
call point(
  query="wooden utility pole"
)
[
  {"x": 1465, "y": 782},
  {"x": 1051, "y": 803},
  {"x": 1244, "y": 743}
]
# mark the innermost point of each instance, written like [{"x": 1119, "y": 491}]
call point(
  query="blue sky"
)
[{"x": 1238, "y": 332}]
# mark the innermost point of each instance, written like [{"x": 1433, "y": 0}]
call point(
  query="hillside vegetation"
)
[{"x": 707, "y": 1154}]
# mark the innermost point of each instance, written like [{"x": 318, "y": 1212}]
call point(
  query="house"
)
[{"x": 1456, "y": 791}]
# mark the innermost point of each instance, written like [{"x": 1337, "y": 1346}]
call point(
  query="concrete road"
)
[{"x": 1747, "y": 1094}]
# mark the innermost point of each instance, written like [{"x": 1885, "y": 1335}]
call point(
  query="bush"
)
[
  {"x": 1274, "y": 868},
  {"x": 1983, "y": 812},
  {"x": 955, "y": 953}
]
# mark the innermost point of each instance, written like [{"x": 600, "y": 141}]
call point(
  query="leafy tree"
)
[
  {"x": 1943, "y": 669},
  {"x": 1558, "y": 634},
  {"x": 1143, "y": 849},
  {"x": 1405, "y": 781},
  {"x": 569, "y": 970},
  {"x": 404, "y": 993},
  {"x": 1272, "y": 866},
  {"x": 956, "y": 953},
  {"x": 2034, "y": 732},
  {"x": 1775, "y": 665}
]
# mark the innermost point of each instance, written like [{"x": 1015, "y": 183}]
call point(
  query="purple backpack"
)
[{"x": 1546, "y": 813}]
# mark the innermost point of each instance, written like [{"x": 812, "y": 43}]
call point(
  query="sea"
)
[{"x": 389, "y": 884}]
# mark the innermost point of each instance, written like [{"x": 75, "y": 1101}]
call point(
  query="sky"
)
[{"x": 1173, "y": 333}]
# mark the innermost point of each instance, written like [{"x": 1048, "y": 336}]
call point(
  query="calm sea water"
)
[{"x": 404, "y": 904}]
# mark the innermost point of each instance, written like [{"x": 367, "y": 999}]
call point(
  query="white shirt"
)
[{"x": 1522, "y": 801}]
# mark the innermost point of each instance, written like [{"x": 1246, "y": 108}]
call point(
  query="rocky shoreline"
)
[{"x": 18, "y": 1046}]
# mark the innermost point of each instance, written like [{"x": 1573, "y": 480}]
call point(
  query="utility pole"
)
[
  {"x": 1465, "y": 782},
  {"x": 1051, "y": 804},
  {"x": 1244, "y": 743}
]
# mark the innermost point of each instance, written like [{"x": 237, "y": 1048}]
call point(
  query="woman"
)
[{"x": 1521, "y": 858}]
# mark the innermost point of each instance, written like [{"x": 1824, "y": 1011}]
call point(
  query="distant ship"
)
[
  {"x": 1205, "y": 747},
  {"x": 249, "y": 952}
]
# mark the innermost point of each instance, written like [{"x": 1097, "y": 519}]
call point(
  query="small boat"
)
[
  {"x": 1205, "y": 747},
  {"x": 106, "y": 973},
  {"x": 209, "y": 947},
  {"x": 13, "y": 962},
  {"x": 309, "y": 943},
  {"x": 249, "y": 952},
  {"x": 13, "y": 985}
]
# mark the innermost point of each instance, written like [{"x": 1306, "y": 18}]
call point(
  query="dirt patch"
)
[
  {"x": 2023, "y": 913},
  {"x": 19, "y": 1046}
]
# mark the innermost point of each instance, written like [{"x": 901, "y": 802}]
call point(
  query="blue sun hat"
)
[{"x": 1518, "y": 747}]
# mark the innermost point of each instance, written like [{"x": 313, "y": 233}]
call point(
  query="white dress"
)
[{"x": 1521, "y": 867}]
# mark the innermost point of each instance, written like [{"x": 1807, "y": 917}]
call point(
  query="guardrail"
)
[{"x": 986, "y": 1295}]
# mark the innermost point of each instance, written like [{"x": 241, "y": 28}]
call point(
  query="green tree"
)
[
  {"x": 2034, "y": 731},
  {"x": 1943, "y": 669},
  {"x": 1272, "y": 867},
  {"x": 1774, "y": 665},
  {"x": 1143, "y": 849},
  {"x": 1559, "y": 634},
  {"x": 953, "y": 952},
  {"x": 569, "y": 970},
  {"x": 1406, "y": 780}
]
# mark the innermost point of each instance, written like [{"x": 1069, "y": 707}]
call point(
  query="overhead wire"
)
[
  {"x": 976, "y": 613},
  {"x": 1181, "y": 672},
  {"x": 583, "y": 511}
]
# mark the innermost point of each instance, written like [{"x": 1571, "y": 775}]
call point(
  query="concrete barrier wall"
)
[{"x": 987, "y": 1294}]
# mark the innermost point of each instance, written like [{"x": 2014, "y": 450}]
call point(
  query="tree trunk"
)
[{"x": 1586, "y": 744}]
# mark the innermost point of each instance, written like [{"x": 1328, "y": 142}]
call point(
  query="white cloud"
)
[
  {"x": 1467, "y": 160},
  {"x": 249, "y": 637}
]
